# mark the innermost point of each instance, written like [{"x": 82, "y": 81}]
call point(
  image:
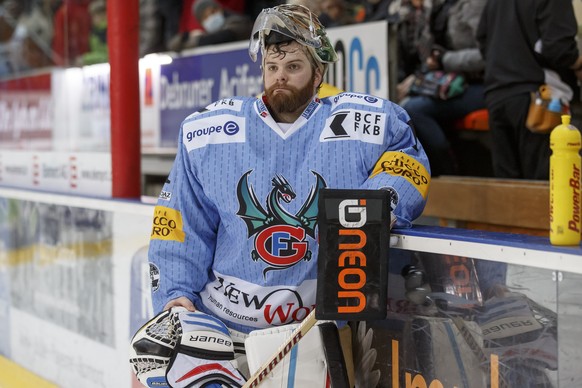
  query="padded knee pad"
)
[{"x": 204, "y": 355}]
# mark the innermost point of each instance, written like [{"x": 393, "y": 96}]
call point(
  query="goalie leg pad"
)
[
  {"x": 304, "y": 366},
  {"x": 204, "y": 355},
  {"x": 240, "y": 355},
  {"x": 192, "y": 372}
]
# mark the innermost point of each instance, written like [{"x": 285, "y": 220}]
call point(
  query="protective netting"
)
[
  {"x": 143, "y": 365},
  {"x": 166, "y": 330}
]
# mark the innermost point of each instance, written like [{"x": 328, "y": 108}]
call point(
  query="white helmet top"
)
[{"x": 295, "y": 22}]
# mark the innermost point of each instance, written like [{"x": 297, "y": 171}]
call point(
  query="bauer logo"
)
[
  {"x": 219, "y": 129},
  {"x": 353, "y": 254},
  {"x": 213, "y": 339},
  {"x": 167, "y": 224}
]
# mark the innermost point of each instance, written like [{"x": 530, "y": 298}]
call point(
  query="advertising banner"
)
[
  {"x": 64, "y": 172},
  {"x": 81, "y": 109},
  {"x": 149, "y": 86},
  {"x": 26, "y": 117},
  {"x": 191, "y": 83},
  {"x": 363, "y": 58}
]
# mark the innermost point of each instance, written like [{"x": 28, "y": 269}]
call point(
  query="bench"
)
[{"x": 490, "y": 204}]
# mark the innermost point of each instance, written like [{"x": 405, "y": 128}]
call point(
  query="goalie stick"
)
[
  {"x": 331, "y": 342},
  {"x": 334, "y": 355}
]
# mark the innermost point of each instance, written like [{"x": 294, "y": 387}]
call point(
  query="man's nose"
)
[{"x": 281, "y": 75}]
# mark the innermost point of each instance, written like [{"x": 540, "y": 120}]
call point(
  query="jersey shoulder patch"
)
[
  {"x": 218, "y": 123},
  {"x": 233, "y": 104},
  {"x": 224, "y": 105},
  {"x": 356, "y": 98},
  {"x": 355, "y": 124},
  {"x": 213, "y": 129}
]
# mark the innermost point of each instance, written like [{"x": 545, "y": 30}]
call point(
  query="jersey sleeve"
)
[
  {"x": 183, "y": 235},
  {"x": 403, "y": 168}
]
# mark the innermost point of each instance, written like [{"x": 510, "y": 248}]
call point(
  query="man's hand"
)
[{"x": 181, "y": 301}]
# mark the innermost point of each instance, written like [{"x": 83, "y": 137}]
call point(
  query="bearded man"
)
[{"x": 234, "y": 235}]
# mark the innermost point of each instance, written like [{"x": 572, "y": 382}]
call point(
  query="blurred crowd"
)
[{"x": 43, "y": 33}]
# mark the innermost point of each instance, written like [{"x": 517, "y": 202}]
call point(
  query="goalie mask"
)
[{"x": 291, "y": 22}]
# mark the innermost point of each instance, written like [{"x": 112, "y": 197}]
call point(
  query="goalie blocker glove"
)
[{"x": 204, "y": 355}]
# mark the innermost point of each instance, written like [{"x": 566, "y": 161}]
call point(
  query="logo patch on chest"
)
[{"x": 280, "y": 235}]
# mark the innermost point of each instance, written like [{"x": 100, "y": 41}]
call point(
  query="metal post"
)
[{"x": 123, "y": 42}]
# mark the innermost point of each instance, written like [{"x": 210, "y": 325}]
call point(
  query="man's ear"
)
[{"x": 318, "y": 79}]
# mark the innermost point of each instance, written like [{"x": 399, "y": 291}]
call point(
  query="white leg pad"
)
[{"x": 304, "y": 366}]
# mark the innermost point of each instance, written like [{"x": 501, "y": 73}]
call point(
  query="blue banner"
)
[{"x": 191, "y": 83}]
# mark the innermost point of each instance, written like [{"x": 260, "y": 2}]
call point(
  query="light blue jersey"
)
[{"x": 235, "y": 226}]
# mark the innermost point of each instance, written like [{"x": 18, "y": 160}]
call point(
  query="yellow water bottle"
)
[{"x": 565, "y": 141}]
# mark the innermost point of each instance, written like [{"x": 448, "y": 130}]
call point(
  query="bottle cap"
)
[{"x": 565, "y": 135}]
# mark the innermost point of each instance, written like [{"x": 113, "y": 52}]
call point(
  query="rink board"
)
[{"x": 74, "y": 287}]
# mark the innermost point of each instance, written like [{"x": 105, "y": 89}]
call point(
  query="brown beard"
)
[{"x": 289, "y": 102}]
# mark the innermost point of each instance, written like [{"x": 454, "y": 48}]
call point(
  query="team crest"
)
[{"x": 279, "y": 234}]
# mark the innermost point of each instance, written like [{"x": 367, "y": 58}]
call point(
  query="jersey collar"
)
[{"x": 264, "y": 114}]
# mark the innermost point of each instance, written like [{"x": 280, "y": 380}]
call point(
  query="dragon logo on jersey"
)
[{"x": 280, "y": 235}]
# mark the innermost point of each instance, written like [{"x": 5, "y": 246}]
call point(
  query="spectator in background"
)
[
  {"x": 8, "y": 18},
  {"x": 188, "y": 21},
  {"x": 72, "y": 26},
  {"x": 313, "y": 5},
  {"x": 254, "y": 8},
  {"x": 410, "y": 17},
  {"x": 169, "y": 12},
  {"x": 375, "y": 9},
  {"x": 151, "y": 38},
  {"x": 29, "y": 46},
  {"x": 453, "y": 49},
  {"x": 335, "y": 13},
  {"x": 220, "y": 26},
  {"x": 98, "y": 52},
  {"x": 507, "y": 35}
]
